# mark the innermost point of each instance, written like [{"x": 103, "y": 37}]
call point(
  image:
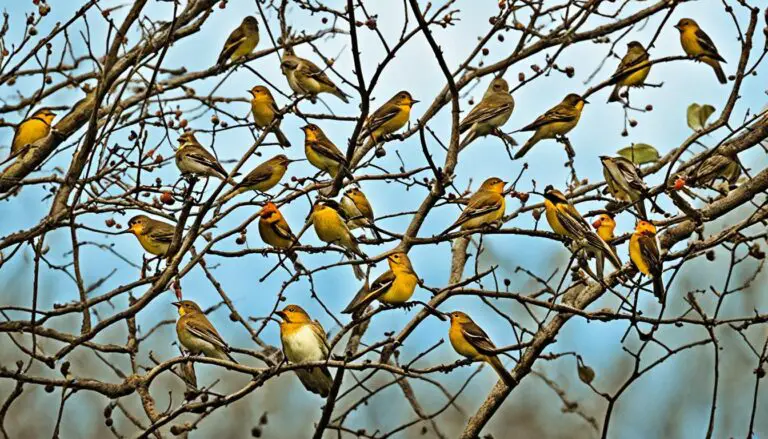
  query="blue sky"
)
[{"x": 414, "y": 69}]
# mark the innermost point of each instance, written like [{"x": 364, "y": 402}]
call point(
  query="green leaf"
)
[
  {"x": 697, "y": 115},
  {"x": 639, "y": 153}
]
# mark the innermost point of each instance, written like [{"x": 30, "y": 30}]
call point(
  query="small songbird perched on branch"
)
[
  {"x": 696, "y": 43},
  {"x": 307, "y": 79},
  {"x": 274, "y": 230},
  {"x": 390, "y": 117},
  {"x": 331, "y": 228},
  {"x": 155, "y": 236},
  {"x": 645, "y": 253},
  {"x": 624, "y": 182},
  {"x": 358, "y": 210},
  {"x": 30, "y": 130},
  {"x": 485, "y": 207},
  {"x": 304, "y": 340},
  {"x": 197, "y": 334},
  {"x": 265, "y": 110},
  {"x": 393, "y": 287},
  {"x": 716, "y": 166},
  {"x": 241, "y": 41},
  {"x": 321, "y": 152},
  {"x": 558, "y": 121},
  {"x": 193, "y": 159},
  {"x": 471, "y": 341},
  {"x": 632, "y": 70},
  {"x": 489, "y": 114},
  {"x": 263, "y": 177}
]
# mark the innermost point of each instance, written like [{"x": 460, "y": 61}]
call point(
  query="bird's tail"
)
[
  {"x": 528, "y": 145},
  {"x": 469, "y": 138},
  {"x": 295, "y": 260},
  {"x": 316, "y": 380},
  {"x": 281, "y": 139},
  {"x": 718, "y": 70},
  {"x": 658, "y": 288},
  {"x": 615, "y": 96},
  {"x": 501, "y": 370},
  {"x": 341, "y": 95}
]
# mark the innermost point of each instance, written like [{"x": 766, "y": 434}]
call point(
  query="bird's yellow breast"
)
[
  {"x": 395, "y": 123},
  {"x": 690, "y": 42},
  {"x": 401, "y": 290},
  {"x": 246, "y": 47},
  {"x": 637, "y": 256},
  {"x": 637, "y": 77},
  {"x": 328, "y": 225},
  {"x": 321, "y": 162},
  {"x": 460, "y": 343},
  {"x": 153, "y": 246},
  {"x": 263, "y": 112},
  {"x": 486, "y": 219},
  {"x": 269, "y": 236},
  {"x": 554, "y": 222},
  {"x": 28, "y": 132}
]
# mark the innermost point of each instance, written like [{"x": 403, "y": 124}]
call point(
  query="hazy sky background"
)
[{"x": 414, "y": 69}]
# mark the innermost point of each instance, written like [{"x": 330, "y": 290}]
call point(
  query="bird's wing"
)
[
  {"x": 380, "y": 117},
  {"x": 235, "y": 38},
  {"x": 260, "y": 173},
  {"x": 329, "y": 150},
  {"x": 628, "y": 171},
  {"x": 368, "y": 294},
  {"x": 162, "y": 234},
  {"x": 560, "y": 113},
  {"x": 650, "y": 252},
  {"x": 282, "y": 230},
  {"x": 205, "y": 158},
  {"x": 319, "y": 332},
  {"x": 477, "y": 338},
  {"x": 203, "y": 329},
  {"x": 631, "y": 60},
  {"x": 484, "y": 111},
  {"x": 480, "y": 204},
  {"x": 706, "y": 43},
  {"x": 308, "y": 69}
]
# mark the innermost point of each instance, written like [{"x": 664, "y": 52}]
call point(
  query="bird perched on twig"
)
[
  {"x": 241, "y": 41},
  {"x": 489, "y": 114},
  {"x": 155, "y": 236},
  {"x": 304, "y": 340},
  {"x": 193, "y": 159},
  {"x": 393, "y": 287},
  {"x": 632, "y": 70},
  {"x": 472, "y": 342},
  {"x": 604, "y": 225},
  {"x": 307, "y": 79},
  {"x": 197, "y": 334},
  {"x": 716, "y": 166},
  {"x": 32, "y": 129},
  {"x": 624, "y": 182},
  {"x": 358, "y": 210},
  {"x": 321, "y": 152},
  {"x": 696, "y": 43},
  {"x": 485, "y": 207},
  {"x": 274, "y": 230},
  {"x": 390, "y": 117},
  {"x": 566, "y": 221},
  {"x": 265, "y": 110},
  {"x": 645, "y": 253},
  {"x": 557, "y": 121},
  {"x": 331, "y": 228},
  {"x": 262, "y": 178}
]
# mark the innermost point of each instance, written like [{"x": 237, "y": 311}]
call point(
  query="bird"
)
[
  {"x": 489, "y": 114},
  {"x": 716, "y": 166},
  {"x": 558, "y": 121},
  {"x": 604, "y": 225},
  {"x": 331, "y": 228},
  {"x": 358, "y": 210},
  {"x": 197, "y": 334},
  {"x": 32, "y": 129},
  {"x": 321, "y": 152},
  {"x": 241, "y": 41},
  {"x": 566, "y": 221},
  {"x": 644, "y": 251},
  {"x": 486, "y": 206},
  {"x": 155, "y": 236},
  {"x": 696, "y": 43},
  {"x": 390, "y": 117},
  {"x": 193, "y": 159},
  {"x": 262, "y": 178},
  {"x": 265, "y": 110},
  {"x": 632, "y": 70},
  {"x": 307, "y": 79},
  {"x": 393, "y": 287},
  {"x": 304, "y": 340},
  {"x": 469, "y": 340},
  {"x": 274, "y": 231},
  {"x": 623, "y": 181}
]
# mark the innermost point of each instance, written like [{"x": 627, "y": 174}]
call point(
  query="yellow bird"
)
[
  {"x": 265, "y": 110},
  {"x": 263, "y": 177},
  {"x": 632, "y": 70},
  {"x": 155, "y": 236},
  {"x": 304, "y": 340},
  {"x": 393, "y": 287},
  {"x": 274, "y": 231},
  {"x": 321, "y": 152},
  {"x": 644, "y": 251},
  {"x": 558, "y": 121},
  {"x": 197, "y": 334},
  {"x": 241, "y": 41},
  {"x": 193, "y": 159},
  {"x": 604, "y": 225},
  {"x": 469, "y": 340},
  {"x": 485, "y": 207},
  {"x": 716, "y": 166},
  {"x": 623, "y": 181},
  {"x": 331, "y": 228},
  {"x": 490, "y": 114},
  {"x": 390, "y": 117},
  {"x": 32, "y": 129},
  {"x": 566, "y": 221},
  {"x": 358, "y": 210},
  {"x": 696, "y": 43},
  {"x": 307, "y": 79}
]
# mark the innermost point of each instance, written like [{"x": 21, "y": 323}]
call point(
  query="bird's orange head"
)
[
  {"x": 187, "y": 307},
  {"x": 645, "y": 228},
  {"x": 293, "y": 314},
  {"x": 269, "y": 210},
  {"x": 605, "y": 220},
  {"x": 493, "y": 184},
  {"x": 685, "y": 24}
]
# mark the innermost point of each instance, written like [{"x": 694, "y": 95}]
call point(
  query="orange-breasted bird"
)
[{"x": 274, "y": 231}]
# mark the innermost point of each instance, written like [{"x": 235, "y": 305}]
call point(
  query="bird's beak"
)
[
  {"x": 585, "y": 101},
  {"x": 677, "y": 26},
  {"x": 280, "y": 314},
  {"x": 414, "y": 101},
  {"x": 598, "y": 222},
  {"x": 304, "y": 128},
  {"x": 250, "y": 91},
  {"x": 176, "y": 304},
  {"x": 125, "y": 232},
  {"x": 296, "y": 160}
]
